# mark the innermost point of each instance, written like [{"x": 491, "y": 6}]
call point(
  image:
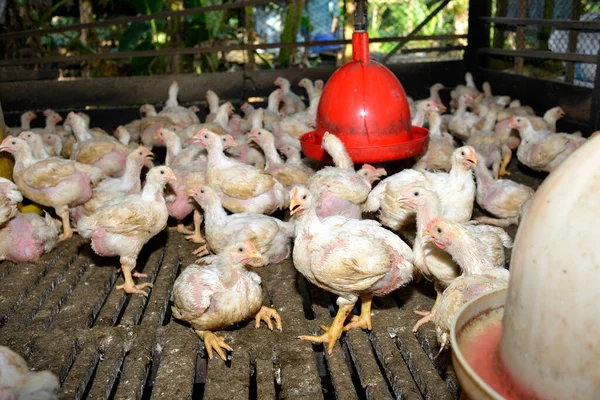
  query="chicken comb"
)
[
  {"x": 433, "y": 222},
  {"x": 369, "y": 167}
]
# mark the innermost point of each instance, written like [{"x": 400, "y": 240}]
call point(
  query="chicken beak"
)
[
  {"x": 255, "y": 254},
  {"x": 472, "y": 160},
  {"x": 171, "y": 176},
  {"x": 425, "y": 233},
  {"x": 295, "y": 206},
  {"x": 403, "y": 199}
]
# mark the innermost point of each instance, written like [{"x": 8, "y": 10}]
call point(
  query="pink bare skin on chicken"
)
[
  {"x": 123, "y": 226},
  {"x": 53, "y": 182},
  {"x": 221, "y": 293},
  {"x": 27, "y": 236}
]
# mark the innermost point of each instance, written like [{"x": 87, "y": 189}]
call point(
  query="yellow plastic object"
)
[
  {"x": 6, "y": 166},
  {"x": 30, "y": 208}
]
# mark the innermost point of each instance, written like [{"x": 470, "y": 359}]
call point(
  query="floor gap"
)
[
  {"x": 323, "y": 369},
  {"x": 200, "y": 376},
  {"x": 361, "y": 392},
  {"x": 115, "y": 386},
  {"x": 89, "y": 379},
  {"x": 252, "y": 384}
]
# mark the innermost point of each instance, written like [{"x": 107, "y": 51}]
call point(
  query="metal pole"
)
[{"x": 575, "y": 14}]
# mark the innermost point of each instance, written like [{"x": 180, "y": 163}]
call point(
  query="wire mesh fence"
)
[
  {"x": 538, "y": 37},
  {"x": 250, "y": 34}
]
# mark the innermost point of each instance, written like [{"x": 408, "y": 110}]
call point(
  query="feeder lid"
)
[{"x": 364, "y": 104}]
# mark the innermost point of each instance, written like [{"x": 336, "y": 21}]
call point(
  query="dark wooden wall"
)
[{"x": 113, "y": 101}]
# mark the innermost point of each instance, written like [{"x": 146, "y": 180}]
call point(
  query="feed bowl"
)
[{"x": 468, "y": 334}]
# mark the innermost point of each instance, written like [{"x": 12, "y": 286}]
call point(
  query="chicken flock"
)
[{"x": 345, "y": 232}]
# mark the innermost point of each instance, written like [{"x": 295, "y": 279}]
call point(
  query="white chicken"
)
[
  {"x": 340, "y": 190},
  {"x": 475, "y": 248},
  {"x": 455, "y": 189},
  {"x": 348, "y": 257},
  {"x": 502, "y": 198},
  {"x": 18, "y": 382},
  {"x": 271, "y": 236},
  {"x": 543, "y": 150},
  {"x": 433, "y": 263},
  {"x": 9, "y": 198},
  {"x": 286, "y": 174},
  {"x": 221, "y": 293},
  {"x": 242, "y": 187},
  {"x": 292, "y": 103}
]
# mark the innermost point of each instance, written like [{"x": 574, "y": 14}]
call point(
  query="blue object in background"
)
[{"x": 322, "y": 38}]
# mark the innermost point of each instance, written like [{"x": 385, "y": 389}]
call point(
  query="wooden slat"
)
[
  {"x": 175, "y": 376},
  {"x": 299, "y": 375},
  {"x": 36, "y": 299},
  {"x": 26, "y": 276},
  {"x": 52, "y": 305},
  {"x": 81, "y": 372},
  {"x": 366, "y": 365},
  {"x": 265, "y": 386},
  {"x": 339, "y": 373},
  {"x": 80, "y": 308},
  {"x": 430, "y": 384},
  {"x": 398, "y": 374},
  {"x": 228, "y": 383},
  {"x": 109, "y": 368}
]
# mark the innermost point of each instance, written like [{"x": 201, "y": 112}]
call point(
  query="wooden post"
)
[
  {"x": 575, "y": 14},
  {"x": 520, "y": 39},
  {"x": 594, "y": 124},
  {"x": 478, "y": 36},
  {"x": 501, "y": 8}
]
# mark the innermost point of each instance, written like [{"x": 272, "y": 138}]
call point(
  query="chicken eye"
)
[
  {"x": 162, "y": 172},
  {"x": 13, "y": 142},
  {"x": 416, "y": 193},
  {"x": 439, "y": 230},
  {"x": 140, "y": 153},
  {"x": 304, "y": 197},
  {"x": 205, "y": 137},
  {"x": 240, "y": 249},
  {"x": 258, "y": 133},
  {"x": 202, "y": 191}
]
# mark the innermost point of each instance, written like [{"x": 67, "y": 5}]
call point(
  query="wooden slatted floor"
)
[{"x": 64, "y": 314}]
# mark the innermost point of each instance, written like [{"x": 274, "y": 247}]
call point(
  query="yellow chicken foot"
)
[
  {"x": 506, "y": 157},
  {"x": 201, "y": 251},
  {"x": 196, "y": 236},
  {"x": 139, "y": 275},
  {"x": 265, "y": 314},
  {"x": 213, "y": 342},
  {"x": 334, "y": 331},
  {"x": 127, "y": 265},
  {"x": 427, "y": 315},
  {"x": 182, "y": 229},
  {"x": 364, "y": 320},
  {"x": 66, "y": 223}
]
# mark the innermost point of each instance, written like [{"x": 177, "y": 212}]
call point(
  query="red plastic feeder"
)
[{"x": 364, "y": 105}]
